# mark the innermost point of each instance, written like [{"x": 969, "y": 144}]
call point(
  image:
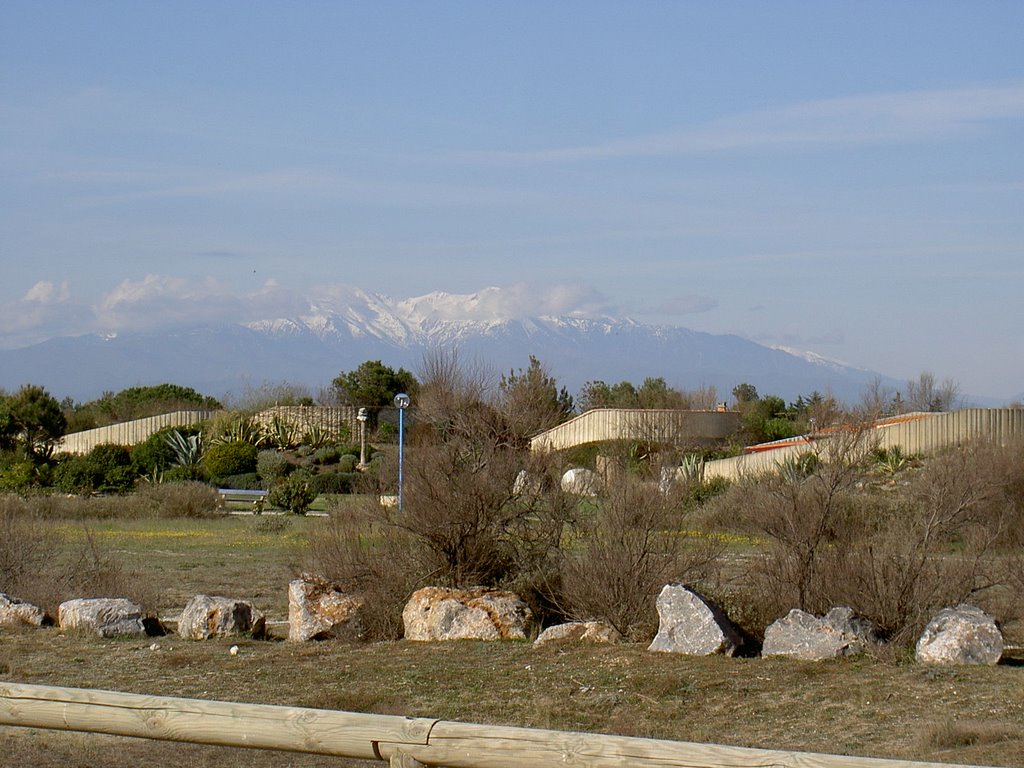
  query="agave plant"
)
[
  {"x": 691, "y": 469},
  {"x": 890, "y": 460},
  {"x": 188, "y": 451},
  {"x": 316, "y": 437},
  {"x": 282, "y": 433},
  {"x": 796, "y": 469},
  {"x": 242, "y": 429}
]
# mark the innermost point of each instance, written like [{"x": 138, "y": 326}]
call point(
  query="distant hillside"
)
[{"x": 313, "y": 348}]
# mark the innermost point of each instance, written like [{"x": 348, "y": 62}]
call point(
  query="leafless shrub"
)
[
  {"x": 476, "y": 508},
  {"x": 365, "y": 556},
  {"x": 185, "y": 499},
  {"x": 938, "y": 546},
  {"x": 896, "y": 554},
  {"x": 477, "y": 520},
  {"x": 807, "y": 511},
  {"x": 27, "y": 542},
  {"x": 41, "y": 564},
  {"x": 624, "y": 551}
]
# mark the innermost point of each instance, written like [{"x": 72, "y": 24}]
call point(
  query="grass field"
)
[{"x": 884, "y": 707}]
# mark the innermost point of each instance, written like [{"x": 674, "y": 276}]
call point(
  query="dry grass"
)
[
  {"x": 878, "y": 706},
  {"x": 860, "y": 706}
]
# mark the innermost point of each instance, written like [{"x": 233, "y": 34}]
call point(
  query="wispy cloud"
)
[
  {"x": 681, "y": 305},
  {"x": 157, "y": 302},
  {"x": 47, "y": 309},
  {"x": 883, "y": 118},
  {"x": 512, "y": 302},
  {"x": 161, "y": 301}
]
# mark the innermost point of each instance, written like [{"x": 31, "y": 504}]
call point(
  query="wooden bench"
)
[{"x": 258, "y": 498}]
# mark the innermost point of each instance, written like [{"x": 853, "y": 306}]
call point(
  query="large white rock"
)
[
  {"x": 961, "y": 635},
  {"x": 107, "y": 617},
  {"x": 581, "y": 482},
  {"x": 436, "y": 613},
  {"x": 208, "y": 616},
  {"x": 15, "y": 612},
  {"x": 801, "y": 635},
  {"x": 579, "y": 632},
  {"x": 319, "y": 610},
  {"x": 690, "y": 624}
]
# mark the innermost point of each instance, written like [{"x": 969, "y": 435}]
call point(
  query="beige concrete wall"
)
[
  {"x": 664, "y": 426},
  {"x": 923, "y": 433},
  {"x": 128, "y": 432},
  {"x": 335, "y": 421}
]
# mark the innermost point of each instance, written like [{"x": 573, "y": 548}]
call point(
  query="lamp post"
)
[
  {"x": 401, "y": 403},
  {"x": 361, "y": 418}
]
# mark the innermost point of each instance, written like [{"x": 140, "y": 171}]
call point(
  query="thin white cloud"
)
[
  {"x": 46, "y": 310},
  {"x": 44, "y": 292},
  {"x": 681, "y": 305},
  {"x": 884, "y": 118},
  {"x": 513, "y": 302},
  {"x": 160, "y": 301},
  {"x": 157, "y": 302}
]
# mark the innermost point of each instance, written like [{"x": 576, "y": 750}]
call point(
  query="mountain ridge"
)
[{"x": 346, "y": 326}]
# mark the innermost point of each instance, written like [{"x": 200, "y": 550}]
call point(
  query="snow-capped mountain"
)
[{"x": 337, "y": 332}]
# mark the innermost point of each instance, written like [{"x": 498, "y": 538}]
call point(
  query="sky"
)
[{"x": 845, "y": 178}]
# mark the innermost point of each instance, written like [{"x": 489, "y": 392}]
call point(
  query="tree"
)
[
  {"x": 373, "y": 385},
  {"x": 878, "y": 399},
  {"x": 765, "y": 419},
  {"x": 927, "y": 394},
  {"x": 594, "y": 394},
  {"x": 33, "y": 420},
  {"x": 531, "y": 401},
  {"x": 656, "y": 393},
  {"x": 135, "y": 403},
  {"x": 744, "y": 393}
]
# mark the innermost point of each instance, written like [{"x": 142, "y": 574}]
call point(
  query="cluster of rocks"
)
[
  {"x": 203, "y": 618},
  {"x": 689, "y": 623}
]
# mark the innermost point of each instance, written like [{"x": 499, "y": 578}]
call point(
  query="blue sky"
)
[{"x": 841, "y": 177}]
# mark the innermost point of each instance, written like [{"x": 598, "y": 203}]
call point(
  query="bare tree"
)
[
  {"x": 927, "y": 394},
  {"x": 704, "y": 398},
  {"x": 877, "y": 399}
]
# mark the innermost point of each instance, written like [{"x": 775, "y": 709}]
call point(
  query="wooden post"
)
[
  {"x": 259, "y": 726},
  {"x": 401, "y": 741}
]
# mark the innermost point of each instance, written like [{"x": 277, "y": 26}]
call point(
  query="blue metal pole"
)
[{"x": 401, "y": 441}]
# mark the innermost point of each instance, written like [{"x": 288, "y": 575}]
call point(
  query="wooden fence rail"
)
[{"x": 402, "y": 741}]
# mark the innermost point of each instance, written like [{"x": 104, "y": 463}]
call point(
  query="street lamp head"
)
[
  {"x": 362, "y": 415},
  {"x": 401, "y": 401}
]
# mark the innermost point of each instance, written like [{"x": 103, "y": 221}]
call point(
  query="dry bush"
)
[
  {"x": 40, "y": 564},
  {"x": 949, "y": 534},
  {"x": 808, "y": 512},
  {"x": 85, "y": 568},
  {"x": 178, "y": 499},
  {"x": 622, "y": 554},
  {"x": 364, "y": 556},
  {"x": 27, "y": 543},
  {"x": 475, "y": 522},
  {"x": 942, "y": 543},
  {"x": 476, "y": 509},
  {"x": 185, "y": 499},
  {"x": 58, "y": 507}
]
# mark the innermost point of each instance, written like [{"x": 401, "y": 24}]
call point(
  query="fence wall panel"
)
[
  {"x": 663, "y": 426},
  {"x": 129, "y": 432},
  {"x": 919, "y": 433}
]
